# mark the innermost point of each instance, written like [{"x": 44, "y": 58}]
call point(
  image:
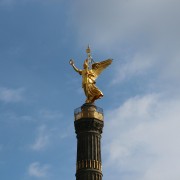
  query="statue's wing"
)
[{"x": 98, "y": 67}]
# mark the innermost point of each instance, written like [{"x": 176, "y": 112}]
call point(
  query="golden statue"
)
[{"x": 89, "y": 74}]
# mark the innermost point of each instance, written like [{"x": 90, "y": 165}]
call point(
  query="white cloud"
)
[
  {"x": 37, "y": 170},
  {"x": 42, "y": 140},
  {"x": 138, "y": 65},
  {"x": 144, "y": 33},
  {"x": 47, "y": 136},
  {"x": 11, "y": 95},
  {"x": 108, "y": 22},
  {"x": 143, "y": 139}
]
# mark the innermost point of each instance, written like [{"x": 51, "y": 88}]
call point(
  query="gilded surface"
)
[
  {"x": 91, "y": 71},
  {"x": 92, "y": 114},
  {"x": 89, "y": 164},
  {"x": 89, "y": 112}
]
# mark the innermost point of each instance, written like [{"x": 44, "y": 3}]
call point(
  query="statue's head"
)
[{"x": 85, "y": 65}]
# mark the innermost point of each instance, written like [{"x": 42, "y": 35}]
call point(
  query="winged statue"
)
[{"x": 90, "y": 72}]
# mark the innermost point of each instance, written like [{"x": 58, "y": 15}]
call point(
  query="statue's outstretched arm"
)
[{"x": 71, "y": 62}]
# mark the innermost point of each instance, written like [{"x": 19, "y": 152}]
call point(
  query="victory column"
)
[{"x": 89, "y": 121}]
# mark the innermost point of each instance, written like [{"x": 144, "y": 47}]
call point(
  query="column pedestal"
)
[{"x": 88, "y": 127}]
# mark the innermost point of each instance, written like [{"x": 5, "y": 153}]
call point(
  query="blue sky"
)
[{"x": 39, "y": 90}]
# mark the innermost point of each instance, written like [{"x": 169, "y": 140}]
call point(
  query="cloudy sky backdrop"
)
[{"x": 39, "y": 90}]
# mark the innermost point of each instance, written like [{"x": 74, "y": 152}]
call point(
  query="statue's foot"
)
[
  {"x": 87, "y": 101},
  {"x": 90, "y": 101}
]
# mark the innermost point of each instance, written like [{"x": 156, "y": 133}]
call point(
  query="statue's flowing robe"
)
[{"x": 88, "y": 84}]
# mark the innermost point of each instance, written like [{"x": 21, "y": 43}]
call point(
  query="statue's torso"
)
[{"x": 86, "y": 77}]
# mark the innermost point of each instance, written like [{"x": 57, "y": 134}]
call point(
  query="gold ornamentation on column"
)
[
  {"x": 94, "y": 164},
  {"x": 97, "y": 164},
  {"x": 89, "y": 164},
  {"x": 93, "y": 114}
]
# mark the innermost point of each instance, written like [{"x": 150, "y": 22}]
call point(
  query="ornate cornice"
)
[
  {"x": 88, "y": 111},
  {"x": 84, "y": 125}
]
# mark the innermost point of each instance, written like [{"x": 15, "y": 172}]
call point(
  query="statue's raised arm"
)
[
  {"x": 71, "y": 62},
  {"x": 91, "y": 70}
]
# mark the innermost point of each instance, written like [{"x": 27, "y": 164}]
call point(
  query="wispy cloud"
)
[
  {"x": 144, "y": 131},
  {"x": 37, "y": 170},
  {"x": 138, "y": 65},
  {"x": 145, "y": 34},
  {"x": 120, "y": 21},
  {"x": 42, "y": 139},
  {"x": 8, "y": 95},
  {"x": 46, "y": 136}
]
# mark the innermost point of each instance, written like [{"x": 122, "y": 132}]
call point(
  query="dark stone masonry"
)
[{"x": 88, "y": 127}]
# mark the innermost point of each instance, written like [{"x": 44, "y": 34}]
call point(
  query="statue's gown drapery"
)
[{"x": 88, "y": 84}]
